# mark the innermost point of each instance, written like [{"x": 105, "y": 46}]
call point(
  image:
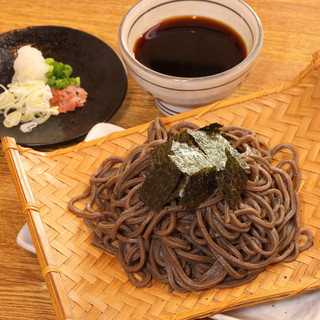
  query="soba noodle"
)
[{"x": 211, "y": 246}]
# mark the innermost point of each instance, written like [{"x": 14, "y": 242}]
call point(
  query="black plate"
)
[{"x": 101, "y": 71}]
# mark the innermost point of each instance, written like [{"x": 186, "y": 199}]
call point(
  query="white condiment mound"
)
[{"x": 29, "y": 65}]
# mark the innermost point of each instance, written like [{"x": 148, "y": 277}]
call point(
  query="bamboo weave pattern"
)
[{"x": 93, "y": 281}]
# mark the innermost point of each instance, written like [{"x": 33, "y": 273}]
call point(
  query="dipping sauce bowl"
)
[{"x": 175, "y": 93}]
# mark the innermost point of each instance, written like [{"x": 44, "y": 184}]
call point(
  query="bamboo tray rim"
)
[{"x": 51, "y": 273}]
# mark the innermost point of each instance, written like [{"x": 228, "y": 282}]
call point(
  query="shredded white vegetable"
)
[
  {"x": 27, "y": 98},
  {"x": 28, "y": 102}
]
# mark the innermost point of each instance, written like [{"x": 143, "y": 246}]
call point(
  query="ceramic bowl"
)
[{"x": 178, "y": 94}]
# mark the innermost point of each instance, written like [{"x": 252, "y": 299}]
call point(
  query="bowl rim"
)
[{"x": 241, "y": 65}]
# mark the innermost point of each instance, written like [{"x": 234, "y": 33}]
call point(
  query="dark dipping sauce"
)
[{"x": 190, "y": 46}]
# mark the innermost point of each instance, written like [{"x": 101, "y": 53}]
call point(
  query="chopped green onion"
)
[
  {"x": 49, "y": 61},
  {"x": 49, "y": 74},
  {"x": 74, "y": 81},
  {"x": 61, "y": 84},
  {"x": 67, "y": 70},
  {"x": 51, "y": 82},
  {"x": 59, "y": 75}
]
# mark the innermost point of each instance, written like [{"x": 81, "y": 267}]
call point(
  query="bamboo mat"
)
[{"x": 87, "y": 283}]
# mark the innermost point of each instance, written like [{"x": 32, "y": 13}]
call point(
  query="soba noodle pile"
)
[{"x": 211, "y": 246}]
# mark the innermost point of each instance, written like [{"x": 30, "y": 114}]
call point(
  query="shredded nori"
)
[{"x": 191, "y": 166}]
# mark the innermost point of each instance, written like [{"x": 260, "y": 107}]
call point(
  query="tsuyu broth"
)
[{"x": 190, "y": 46}]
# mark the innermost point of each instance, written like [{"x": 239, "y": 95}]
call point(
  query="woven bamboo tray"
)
[{"x": 87, "y": 283}]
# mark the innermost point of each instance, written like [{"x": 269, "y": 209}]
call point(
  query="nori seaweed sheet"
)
[
  {"x": 199, "y": 188},
  {"x": 163, "y": 179},
  {"x": 167, "y": 182},
  {"x": 231, "y": 181},
  {"x": 212, "y": 129}
]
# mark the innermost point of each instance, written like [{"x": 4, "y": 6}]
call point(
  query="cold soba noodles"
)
[{"x": 216, "y": 244}]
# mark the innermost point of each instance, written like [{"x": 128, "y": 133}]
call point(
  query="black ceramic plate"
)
[{"x": 101, "y": 71}]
